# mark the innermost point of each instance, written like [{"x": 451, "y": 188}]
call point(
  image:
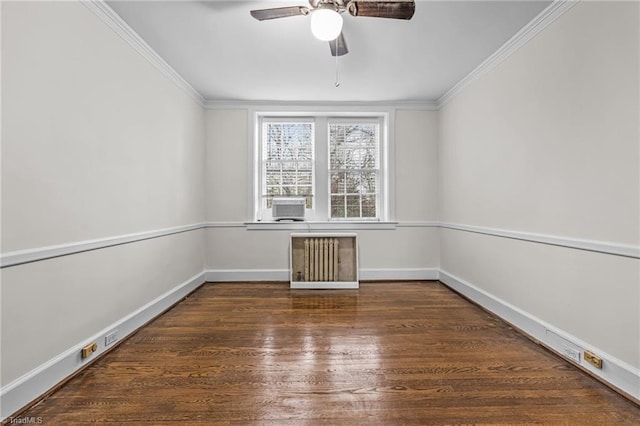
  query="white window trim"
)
[{"x": 387, "y": 164}]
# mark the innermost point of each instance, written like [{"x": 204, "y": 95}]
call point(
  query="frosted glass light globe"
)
[{"x": 326, "y": 24}]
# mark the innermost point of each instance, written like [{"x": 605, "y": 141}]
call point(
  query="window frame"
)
[
  {"x": 262, "y": 176},
  {"x": 380, "y": 169},
  {"x": 322, "y": 116}
]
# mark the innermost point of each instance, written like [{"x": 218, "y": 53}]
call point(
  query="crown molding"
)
[
  {"x": 249, "y": 104},
  {"x": 120, "y": 27},
  {"x": 528, "y": 32},
  {"x": 534, "y": 27}
]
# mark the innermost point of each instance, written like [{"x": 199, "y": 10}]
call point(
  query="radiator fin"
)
[{"x": 321, "y": 259}]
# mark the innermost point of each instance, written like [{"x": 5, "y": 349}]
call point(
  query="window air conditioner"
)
[{"x": 288, "y": 208}]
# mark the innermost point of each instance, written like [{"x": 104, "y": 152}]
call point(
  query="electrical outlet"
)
[
  {"x": 111, "y": 337},
  {"x": 89, "y": 349},
  {"x": 593, "y": 359},
  {"x": 571, "y": 354}
]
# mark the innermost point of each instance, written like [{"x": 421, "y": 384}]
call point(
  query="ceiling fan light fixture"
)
[{"x": 326, "y": 24}]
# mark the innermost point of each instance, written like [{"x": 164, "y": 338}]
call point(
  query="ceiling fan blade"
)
[
  {"x": 383, "y": 9},
  {"x": 341, "y": 48},
  {"x": 279, "y": 12}
]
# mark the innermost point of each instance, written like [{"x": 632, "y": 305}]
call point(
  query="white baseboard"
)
[
  {"x": 237, "y": 275},
  {"x": 224, "y": 275},
  {"x": 34, "y": 384},
  {"x": 399, "y": 274},
  {"x": 617, "y": 373}
]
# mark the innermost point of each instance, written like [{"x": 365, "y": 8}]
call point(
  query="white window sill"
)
[{"x": 319, "y": 226}]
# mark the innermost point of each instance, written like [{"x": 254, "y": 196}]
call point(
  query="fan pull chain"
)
[{"x": 337, "y": 83}]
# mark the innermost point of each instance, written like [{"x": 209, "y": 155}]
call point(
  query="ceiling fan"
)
[{"x": 326, "y": 22}]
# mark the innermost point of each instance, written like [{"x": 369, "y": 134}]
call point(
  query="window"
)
[
  {"x": 338, "y": 163},
  {"x": 354, "y": 170},
  {"x": 287, "y": 168}
]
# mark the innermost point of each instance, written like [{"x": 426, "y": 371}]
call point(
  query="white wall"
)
[
  {"x": 96, "y": 143},
  {"x": 548, "y": 143},
  {"x": 409, "y": 249}
]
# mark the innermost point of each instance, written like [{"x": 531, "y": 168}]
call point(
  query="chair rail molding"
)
[
  {"x": 597, "y": 246},
  {"x": 49, "y": 252}
]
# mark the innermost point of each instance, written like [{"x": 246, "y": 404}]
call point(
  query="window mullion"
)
[{"x": 321, "y": 168}]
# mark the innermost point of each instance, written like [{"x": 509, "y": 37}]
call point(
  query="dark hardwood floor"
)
[{"x": 388, "y": 354}]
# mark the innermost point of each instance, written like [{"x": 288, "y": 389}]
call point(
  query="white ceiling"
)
[{"x": 226, "y": 55}]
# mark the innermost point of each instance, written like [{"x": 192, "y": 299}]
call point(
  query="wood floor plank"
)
[{"x": 388, "y": 353}]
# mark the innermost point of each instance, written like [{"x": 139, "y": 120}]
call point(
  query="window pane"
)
[
  {"x": 368, "y": 183},
  {"x": 336, "y": 157},
  {"x": 353, "y": 146},
  {"x": 273, "y": 190},
  {"x": 305, "y": 190},
  {"x": 305, "y": 165},
  {"x": 291, "y": 177},
  {"x": 337, "y": 183},
  {"x": 353, "y": 206},
  {"x": 338, "y": 206},
  {"x": 369, "y": 206},
  {"x": 305, "y": 178}
]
